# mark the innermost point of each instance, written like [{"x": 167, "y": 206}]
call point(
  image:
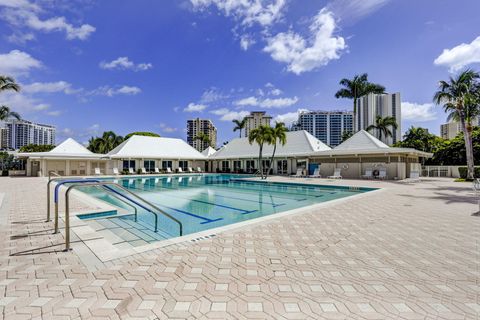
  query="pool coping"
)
[{"x": 105, "y": 251}]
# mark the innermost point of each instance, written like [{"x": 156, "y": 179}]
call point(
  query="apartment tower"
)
[{"x": 197, "y": 126}]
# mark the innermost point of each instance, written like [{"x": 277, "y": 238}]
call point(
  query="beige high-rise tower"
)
[
  {"x": 196, "y": 126},
  {"x": 256, "y": 119}
]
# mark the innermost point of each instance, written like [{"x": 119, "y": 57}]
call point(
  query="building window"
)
[
  {"x": 225, "y": 166},
  {"x": 183, "y": 164},
  {"x": 250, "y": 166},
  {"x": 128, "y": 164},
  {"x": 237, "y": 165},
  {"x": 166, "y": 164},
  {"x": 149, "y": 165}
]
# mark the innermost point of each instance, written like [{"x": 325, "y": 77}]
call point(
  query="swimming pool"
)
[{"x": 207, "y": 201}]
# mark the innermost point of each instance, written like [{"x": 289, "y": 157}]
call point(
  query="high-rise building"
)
[
  {"x": 255, "y": 120},
  {"x": 450, "y": 130},
  {"x": 326, "y": 126},
  {"x": 196, "y": 126},
  {"x": 20, "y": 133},
  {"x": 3, "y": 138},
  {"x": 384, "y": 105}
]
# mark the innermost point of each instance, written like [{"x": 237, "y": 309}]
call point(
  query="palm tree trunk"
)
[
  {"x": 260, "y": 165},
  {"x": 271, "y": 159},
  {"x": 468, "y": 147},
  {"x": 355, "y": 126}
]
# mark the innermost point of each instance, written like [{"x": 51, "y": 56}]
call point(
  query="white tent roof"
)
[
  {"x": 360, "y": 141},
  {"x": 155, "y": 148},
  {"x": 299, "y": 143},
  {"x": 67, "y": 149},
  {"x": 209, "y": 151}
]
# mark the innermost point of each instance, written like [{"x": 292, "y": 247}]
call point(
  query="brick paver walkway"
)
[{"x": 407, "y": 252}]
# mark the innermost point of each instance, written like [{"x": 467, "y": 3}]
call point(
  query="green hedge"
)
[{"x": 463, "y": 172}]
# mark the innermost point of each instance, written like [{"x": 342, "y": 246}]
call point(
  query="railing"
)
[
  {"x": 50, "y": 174},
  {"x": 106, "y": 186}
]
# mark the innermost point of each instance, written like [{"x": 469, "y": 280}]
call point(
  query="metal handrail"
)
[
  {"x": 106, "y": 186},
  {"x": 50, "y": 174},
  {"x": 128, "y": 204}
]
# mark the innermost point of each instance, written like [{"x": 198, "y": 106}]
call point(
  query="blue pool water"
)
[{"x": 207, "y": 201}]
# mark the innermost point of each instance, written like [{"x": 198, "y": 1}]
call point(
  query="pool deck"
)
[{"x": 410, "y": 251}]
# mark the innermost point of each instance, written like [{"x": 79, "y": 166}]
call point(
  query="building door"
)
[{"x": 35, "y": 168}]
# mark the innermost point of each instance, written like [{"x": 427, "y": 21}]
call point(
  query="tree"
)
[
  {"x": 278, "y": 133},
  {"x": 356, "y": 88},
  {"x": 104, "y": 144},
  {"x": 204, "y": 139},
  {"x": 6, "y": 84},
  {"x": 346, "y": 135},
  {"x": 382, "y": 125},
  {"x": 142, "y": 133},
  {"x": 457, "y": 95},
  {"x": 239, "y": 125},
  {"x": 37, "y": 148},
  {"x": 260, "y": 135},
  {"x": 453, "y": 151}
]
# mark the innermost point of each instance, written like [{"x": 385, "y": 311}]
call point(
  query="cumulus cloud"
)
[
  {"x": 49, "y": 87},
  {"x": 266, "y": 103},
  {"x": 165, "y": 128},
  {"x": 22, "y": 103},
  {"x": 248, "y": 12},
  {"x": 301, "y": 54},
  {"x": 229, "y": 115},
  {"x": 289, "y": 117},
  {"x": 113, "y": 91},
  {"x": 212, "y": 95},
  {"x": 124, "y": 63},
  {"x": 194, "y": 107},
  {"x": 418, "y": 112},
  {"x": 460, "y": 56},
  {"x": 25, "y": 14},
  {"x": 17, "y": 63},
  {"x": 246, "y": 41}
]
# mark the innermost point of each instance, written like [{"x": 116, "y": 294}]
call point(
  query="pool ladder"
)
[{"x": 106, "y": 186}]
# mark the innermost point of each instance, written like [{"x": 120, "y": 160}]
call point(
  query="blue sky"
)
[{"x": 90, "y": 66}]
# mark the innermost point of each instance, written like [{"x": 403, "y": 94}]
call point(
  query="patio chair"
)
[
  {"x": 130, "y": 171},
  {"x": 199, "y": 170},
  {"x": 316, "y": 173},
  {"x": 382, "y": 174},
  {"x": 190, "y": 170},
  {"x": 180, "y": 170},
  {"x": 97, "y": 171},
  {"x": 143, "y": 171},
  {"x": 169, "y": 170},
  {"x": 299, "y": 173},
  {"x": 368, "y": 174},
  {"x": 115, "y": 171},
  {"x": 337, "y": 174},
  {"x": 157, "y": 170}
]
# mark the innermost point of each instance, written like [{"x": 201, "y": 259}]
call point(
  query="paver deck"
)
[{"x": 410, "y": 251}]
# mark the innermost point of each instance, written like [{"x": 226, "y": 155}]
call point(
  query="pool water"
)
[{"x": 208, "y": 201}]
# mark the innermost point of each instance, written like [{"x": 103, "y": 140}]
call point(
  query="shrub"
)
[{"x": 463, "y": 172}]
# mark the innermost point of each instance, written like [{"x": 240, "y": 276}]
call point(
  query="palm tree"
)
[
  {"x": 382, "y": 126},
  {"x": 239, "y": 125},
  {"x": 8, "y": 83},
  {"x": 106, "y": 143},
  {"x": 457, "y": 95},
  {"x": 204, "y": 139},
  {"x": 260, "y": 135},
  {"x": 6, "y": 114},
  {"x": 356, "y": 88},
  {"x": 278, "y": 133}
]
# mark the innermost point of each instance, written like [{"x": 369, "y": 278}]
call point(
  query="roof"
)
[
  {"x": 209, "y": 151},
  {"x": 155, "y": 148},
  {"x": 299, "y": 143},
  {"x": 360, "y": 141},
  {"x": 67, "y": 149}
]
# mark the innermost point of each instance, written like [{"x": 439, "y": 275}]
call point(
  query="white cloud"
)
[
  {"x": 113, "y": 91},
  {"x": 246, "y": 41},
  {"x": 22, "y": 103},
  {"x": 302, "y": 54},
  {"x": 349, "y": 11},
  {"x": 267, "y": 103},
  {"x": 418, "y": 112},
  {"x": 17, "y": 62},
  {"x": 49, "y": 87},
  {"x": 276, "y": 92},
  {"x": 124, "y": 63},
  {"x": 194, "y": 107},
  {"x": 24, "y": 14},
  {"x": 165, "y": 128},
  {"x": 20, "y": 37},
  {"x": 460, "y": 56},
  {"x": 54, "y": 113},
  {"x": 249, "y": 12},
  {"x": 229, "y": 115},
  {"x": 289, "y": 117},
  {"x": 212, "y": 95}
]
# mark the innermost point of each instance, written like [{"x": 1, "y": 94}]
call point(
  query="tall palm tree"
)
[
  {"x": 106, "y": 143},
  {"x": 239, "y": 125},
  {"x": 8, "y": 83},
  {"x": 260, "y": 135},
  {"x": 457, "y": 95},
  {"x": 204, "y": 139},
  {"x": 356, "y": 88},
  {"x": 382, "y": 125},
  {"x": 6, "y": 114},
  {"x": 279, "y": 133}
]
